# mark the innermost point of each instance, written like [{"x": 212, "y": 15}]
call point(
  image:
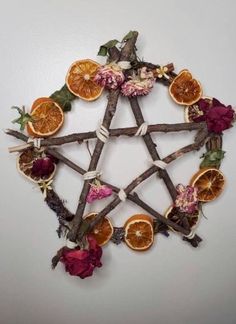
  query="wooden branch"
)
[
  {"x": 145, "y": 175},
  {"x": 151, "y": 146},
  {"x": 57, "y": 205},
  {"x": 199, "y": 139},
  {"x": 113, "y": 96},
  {"x": 80, "y": 137},
  {"x": 131, "y": 196}
]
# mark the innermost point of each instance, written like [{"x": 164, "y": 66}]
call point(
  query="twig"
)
[
  {"x": 107, "y": 119},
  {"x": 80, "y": 137},
  {"x": 151, "y": 146},
  {"x": 145, "y": 175},
  {"x": 132, "y": 197}
]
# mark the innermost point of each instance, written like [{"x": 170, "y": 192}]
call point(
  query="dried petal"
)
[{"x": 109, "y": 76}]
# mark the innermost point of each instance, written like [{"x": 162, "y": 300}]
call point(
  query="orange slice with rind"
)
[
  {"x": 103, "y": 231},
  {"x": 79, "y": 80},
  {"x": 47, "y": 116},
  {"x": 210, "y": 183},
  {"x": 139, "y": 233},
  {"x": 184, "y": 89}
]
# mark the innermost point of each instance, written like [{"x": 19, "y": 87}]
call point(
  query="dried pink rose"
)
[
  {"x": 82, "y": 263},
  {"x": 186, "y": 199},
  {"x": 139, "y": 85},
  {"x": 98, "y": 191},
  {"x": 110, "y": 76}
]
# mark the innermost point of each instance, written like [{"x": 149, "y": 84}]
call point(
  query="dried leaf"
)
[
  {"x": 104, "y": 48},
  {"x": 212, "y": 158},
  {"x": 23, "y": 119},
  {"x": 128, "y": 36},
  {"x": 63, "y": 97}
]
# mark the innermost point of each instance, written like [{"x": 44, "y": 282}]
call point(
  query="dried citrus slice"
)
[
  {"x": 139, "y": 234},
  {"x": 185, "y": 90},
  {"x": 35, "y": 104},
  {"x": 79, "y": 80},
  {"x": 48, "y": 118},
  {"x": 25, "y": 162},
  {"x": 193, "y": 111},
  {"x": 209, "y": 182},
  {"x": 102, "y": 232},
  {"x": 172, "y": 214}
]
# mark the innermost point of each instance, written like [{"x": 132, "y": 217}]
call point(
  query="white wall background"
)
[{"x": 172, "y": 282}]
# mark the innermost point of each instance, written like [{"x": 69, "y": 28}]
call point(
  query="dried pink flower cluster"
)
[
  {"x": 139, "y": 84},
  {"x": 186, "y": 199},
  {"x": 110, "y": 76},
  {"x": 98, "y": 191}
]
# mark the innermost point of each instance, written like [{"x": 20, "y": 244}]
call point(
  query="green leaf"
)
[
  {"x": 63, "y": 97},
  {"x": 212, "y": 158},
  {"x": 23, "y": 119},
  {"x": 104, "y": 48},
  {"x": 102, "y": 51},
  {"x": 128, "y": 36}
]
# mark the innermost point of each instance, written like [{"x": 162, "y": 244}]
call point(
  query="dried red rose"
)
[
  {"x": 43, "y": 167},
  {"x": 82, "y": 263},
  {"x": 217, "y": 116}
]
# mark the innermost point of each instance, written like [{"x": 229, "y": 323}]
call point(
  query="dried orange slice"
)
[
  {"x": 79, "y": 80},
  {"x": 172, "y": 214},
  {"x": 209, "y": 182},
  {"x": 193, "y": 111},
  {"x": 139, "y": 234},
  {"x": 48, "y": 118},
  {"x": 24, "y": 164},
  {"x": 102, "y": 232},
  {"x": 35, "y": 104},
  {"x": 185, "y": 90}
]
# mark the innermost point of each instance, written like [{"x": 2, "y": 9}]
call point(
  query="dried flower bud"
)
[{"x": 43, "y": 167}]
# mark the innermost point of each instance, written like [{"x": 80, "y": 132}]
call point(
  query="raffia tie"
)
[
  {"x": 160, "y": 164},
  {"x": 91, "y": 175},
  {"x": 122, "y": 195},
  {"x": 36, "y": 142},
  {"x": 102, "y": 133},
  {"x": 142, "y": 130},
  {"x": 194, "y": 229},
  {"x": 70, "y": 244},
  {"x": 190, "y": 235}
]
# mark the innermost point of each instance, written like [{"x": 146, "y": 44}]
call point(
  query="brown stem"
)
[
  {"x": 145, "y": 175},
  {"x": 151, "y": 146},
  {"x": 107, "y": 119},
  {"x": 132, "y": 197},
  {"x": 64, "y": 214},
  {"x": 127, "y": 131},
  {"x": 201, "y": 135}
]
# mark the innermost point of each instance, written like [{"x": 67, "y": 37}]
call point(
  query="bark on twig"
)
[
  {"x": 113, "y": 96},
  {"x": 151, "y": 146},
  {"x": 80, "y": 137}
]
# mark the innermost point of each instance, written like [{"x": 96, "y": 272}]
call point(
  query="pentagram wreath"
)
[{"x": 123, "y": 74}]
